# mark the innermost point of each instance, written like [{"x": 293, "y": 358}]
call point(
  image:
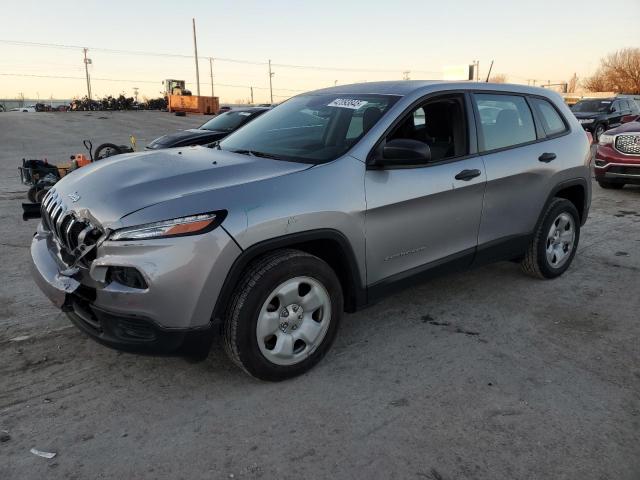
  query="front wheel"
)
[
  {"x": 284, "y": 315},
  {"x": 555, "y": 242}
]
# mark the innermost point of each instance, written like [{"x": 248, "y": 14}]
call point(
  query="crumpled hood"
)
[
  {"x": 177, "y": 138},
  {"x": 114, "y": 187}
]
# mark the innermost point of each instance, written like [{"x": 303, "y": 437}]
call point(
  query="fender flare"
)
[
  {"x": 582, "y": 182},
  {"x": 355, "y": 296}
]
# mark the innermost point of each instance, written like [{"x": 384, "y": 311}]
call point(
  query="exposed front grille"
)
[
  {"x": 628, "y": 144},
  {"x": 75, "y": 236}
]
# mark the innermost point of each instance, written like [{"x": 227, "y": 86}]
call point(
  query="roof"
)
[{"x": 405, "y": 87}]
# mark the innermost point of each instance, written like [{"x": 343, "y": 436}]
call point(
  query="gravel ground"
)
[{"x": 483, "y": 375}]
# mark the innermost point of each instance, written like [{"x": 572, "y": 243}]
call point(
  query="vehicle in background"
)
[
  {"x": 617, "y": 160},
  {"x": 27, "y": 109},
  {"x": 601, "y": 114},
  {"x": 319, "y": 206},
  {"x": 215, "y": 129},
  {"x": 224, "y": 109}
]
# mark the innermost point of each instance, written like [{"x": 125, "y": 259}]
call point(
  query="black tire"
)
[
  {"x": 39, "y": 196},
  {"x": 610, "y": 185},
  {"x": 535, "y": 262},
  {"x": 106, "y": 150},
  {"x": 253, "y": 290},
  {"x": 599, "y": 130},
  {"x": 31, "y": 194}
]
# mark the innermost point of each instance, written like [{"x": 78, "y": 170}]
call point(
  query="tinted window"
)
[
  {"x": 551, "y": 119},
  {"x": 440, "y": 123},
  {"x": 592, "y": 106},
  {"x": 310, "y": 128},
  {"x": 505, "y": 120},
  {"x": 227, "y": 122}
]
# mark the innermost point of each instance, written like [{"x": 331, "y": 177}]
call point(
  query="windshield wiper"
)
[{"x": 255, "y": 153}]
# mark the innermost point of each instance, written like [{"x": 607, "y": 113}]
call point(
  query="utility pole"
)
[
  {"x": 195, "y": 49},
  {"x": 271, "y": 74},
  {"x": 135, "y": 93},
  {"x": 211, "y": 74},
  {"x": 251, "y": 95},
  {"x": 87, "y": 61}
]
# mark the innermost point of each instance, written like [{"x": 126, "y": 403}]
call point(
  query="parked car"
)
[
  {"x": 319, "y": 206},
  {"x": 224, "y": 109},
  {"x": 617, "y": 161},
  {"x": 598, "y": 115},
  {"x": 215, "y": 129},
  {"x": 27, "y": 109}
]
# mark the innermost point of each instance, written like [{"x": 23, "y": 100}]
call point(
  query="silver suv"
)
[{"x": 320, "y": 206}]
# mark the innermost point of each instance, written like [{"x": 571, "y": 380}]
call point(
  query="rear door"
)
[{"x": 519, "y": 168}]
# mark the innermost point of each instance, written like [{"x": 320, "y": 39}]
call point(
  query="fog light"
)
[
  {"x": 600, "y": 163},
  {"x": 127, "y": 276}
]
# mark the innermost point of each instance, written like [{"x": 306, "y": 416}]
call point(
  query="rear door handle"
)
[
  {"x": 467, "y": 175},
  {"x": 547, "y": 157}
]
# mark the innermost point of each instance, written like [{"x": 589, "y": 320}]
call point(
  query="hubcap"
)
[
  {"x": 293, "y": 320},
  {"x": 560, "y": 240}
]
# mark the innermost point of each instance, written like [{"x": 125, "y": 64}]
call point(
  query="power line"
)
[
  {"x": 66, "y": 77},
  {"x": 217, "y": 59}
]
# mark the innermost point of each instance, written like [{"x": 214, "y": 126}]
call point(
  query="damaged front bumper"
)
[{"x": 184, "y": 276}]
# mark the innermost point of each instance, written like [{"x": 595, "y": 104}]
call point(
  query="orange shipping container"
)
[{"x": 193, "y": 104}]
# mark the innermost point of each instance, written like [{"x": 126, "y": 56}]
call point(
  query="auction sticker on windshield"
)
[{"x": 348, "y": 103}]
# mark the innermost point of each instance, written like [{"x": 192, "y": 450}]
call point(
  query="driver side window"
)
[{"x": 440, "y": 123}]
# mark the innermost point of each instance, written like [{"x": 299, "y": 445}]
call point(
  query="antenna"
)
[{"x": 488, "y": 74}]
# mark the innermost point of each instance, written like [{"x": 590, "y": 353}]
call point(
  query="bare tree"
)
[
  {"x": 619, "y": 72},
  {"x": 573, "y": 84},
  {"x": 498, "y": 78}
]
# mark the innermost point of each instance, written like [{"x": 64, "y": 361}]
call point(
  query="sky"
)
[{"x": 359, "y": 40}]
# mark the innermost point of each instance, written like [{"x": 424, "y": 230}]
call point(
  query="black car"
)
[
  {"x": 601, "y": 114},
  {"x": 215, "y": 129}
]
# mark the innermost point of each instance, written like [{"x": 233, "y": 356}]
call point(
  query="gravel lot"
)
[{"x": 483, "y": 375}]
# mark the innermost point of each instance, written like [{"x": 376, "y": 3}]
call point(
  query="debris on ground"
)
[
  {"x": 20, "y": 338},
  {"x": 42, "y": 454}
]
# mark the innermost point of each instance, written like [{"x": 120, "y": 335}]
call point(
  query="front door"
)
[{"x": 418, "y": 217}]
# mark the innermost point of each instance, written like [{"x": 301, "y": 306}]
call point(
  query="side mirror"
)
[{"x": 404, "y": 151}]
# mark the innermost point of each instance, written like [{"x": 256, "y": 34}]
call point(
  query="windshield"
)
[
  {"x": 310, "y": 128},
  {"x": 228, "y": 121},
  {"x": 599, "y": 106}
]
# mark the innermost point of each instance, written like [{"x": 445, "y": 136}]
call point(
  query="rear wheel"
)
[
  {"x": 610, "y": 185},
  {"x": 554, "y": 244},
  {"x": 284, "y": 315}
]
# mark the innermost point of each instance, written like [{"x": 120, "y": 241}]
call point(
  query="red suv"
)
[{"x": 618, "y": 156}]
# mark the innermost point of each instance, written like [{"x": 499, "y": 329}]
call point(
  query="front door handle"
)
[
  {"x": 547, "y": 157},
  {"x": 467, "y": 175}
]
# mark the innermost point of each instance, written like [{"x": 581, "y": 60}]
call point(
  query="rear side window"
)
[
  {"x": 551, "y": 120},
  {"x": 505, "y": 120}
]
